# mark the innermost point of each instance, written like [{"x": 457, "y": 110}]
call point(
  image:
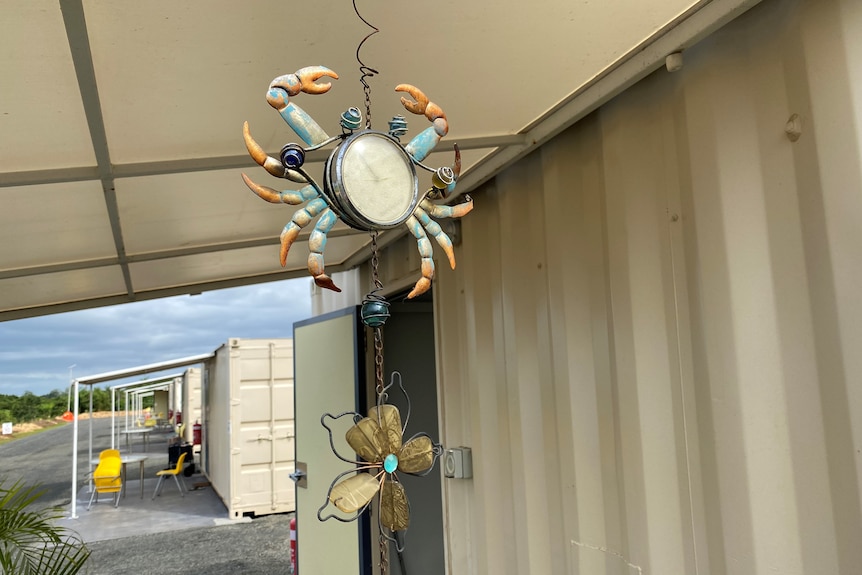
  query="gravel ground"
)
[
  {"x": 260, "y": 547},
  {"x": 256, "y": 548}
]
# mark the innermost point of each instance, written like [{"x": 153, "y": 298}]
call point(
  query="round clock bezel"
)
[{"x": 338, "y": 193}]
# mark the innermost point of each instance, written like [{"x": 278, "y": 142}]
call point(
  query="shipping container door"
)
[
  {"x": 329, "y": 374},
  {"x": 262, "y": 398}
]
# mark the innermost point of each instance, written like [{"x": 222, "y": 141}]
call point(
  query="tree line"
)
[{"x": 28, "y": 407}]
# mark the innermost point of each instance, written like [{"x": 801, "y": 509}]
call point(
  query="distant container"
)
[
  {"x": 247, "y": 450},
  {"x": 161, "y": 404},
  {"x": 190, "y": 407}
]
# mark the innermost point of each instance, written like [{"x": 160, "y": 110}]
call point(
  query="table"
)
[
  {"x": 142, "y": 431},
  {"x": 129, "y": 458}
]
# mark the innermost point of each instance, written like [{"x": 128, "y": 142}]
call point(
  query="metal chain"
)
[
  {"x": 378, "y": 331},
  {"x": 367, "y": 90},
  {"x": 384, "y": 555},
  {"x": 375, "y": 263},
  {"x": 378, "y": 360}
]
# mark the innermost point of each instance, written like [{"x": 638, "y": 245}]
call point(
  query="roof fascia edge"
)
[
  {"x": 155, "y": 380},
  {"x": 143, "y": 369},
  {"x": 687, "y": 29}
]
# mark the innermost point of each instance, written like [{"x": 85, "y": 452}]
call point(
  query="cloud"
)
[{"x": 35, "y": 353}]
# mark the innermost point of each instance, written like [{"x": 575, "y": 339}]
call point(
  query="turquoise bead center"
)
[{"x": 390, "y": 464}]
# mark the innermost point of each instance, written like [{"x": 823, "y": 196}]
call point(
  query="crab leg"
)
[
  {"x": 316, "y": 244},
  {"x": 291, "y": 197},
  {"x": 444, "y": 211},
  {"x": 422, "y": 144},
  {"x": 435, "y": 230},
  {"x": 304, "y": 80},
  {"x": 270, "y": 164},
  {"x": 426, "y": 251},
  {"x": 300, "y": 219}
]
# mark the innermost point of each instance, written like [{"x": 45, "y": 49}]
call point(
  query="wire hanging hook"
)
[{"x": 367, "y": 72}]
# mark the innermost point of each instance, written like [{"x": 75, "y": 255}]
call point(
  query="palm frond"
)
[{"x": 30, "y": 542}]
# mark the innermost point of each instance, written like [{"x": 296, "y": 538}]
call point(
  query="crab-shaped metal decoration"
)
[{"x": 370, "y": 180}]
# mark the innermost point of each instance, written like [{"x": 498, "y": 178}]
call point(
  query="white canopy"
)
[
  {"x": 112, "y": 376},
  {"x": 163, "y": 382}
]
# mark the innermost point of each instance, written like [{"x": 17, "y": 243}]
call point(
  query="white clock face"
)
[{"x": 378, "y": 178}]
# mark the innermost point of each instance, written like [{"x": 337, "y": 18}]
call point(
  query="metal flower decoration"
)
[{"x": 378, "y": 440}]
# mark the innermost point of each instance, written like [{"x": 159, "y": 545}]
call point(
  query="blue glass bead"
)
[
  {"x": 390, "y": 464},
  {"x": 292, "y": 156},
  {"x": 397, "y": 126},
  {"x": 351, "y": 119},
  {"x": 374, "y": 312}
]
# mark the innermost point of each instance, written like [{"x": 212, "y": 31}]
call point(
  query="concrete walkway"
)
[{"x": 136, "y": 516}]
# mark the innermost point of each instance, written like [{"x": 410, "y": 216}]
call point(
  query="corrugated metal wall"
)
[{"x": 653, "y": 340}]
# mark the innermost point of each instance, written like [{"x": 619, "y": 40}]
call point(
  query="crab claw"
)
[
  {"x": 268, "y": 163},
  {"x": 418, "y": 107},
  {"x": 424, "y": 283},
  {"x": 423, "y": 106},
  {"x": 304, "y": 80}
]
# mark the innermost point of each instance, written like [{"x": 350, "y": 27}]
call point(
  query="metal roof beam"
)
[
  {"x": 189, "y": 165},
  {"x": 52, "y": 176},
  {"x": 186, "y": 289},
  {"x": 161, "y": 255},
  {"x": 82, "y": 57}
]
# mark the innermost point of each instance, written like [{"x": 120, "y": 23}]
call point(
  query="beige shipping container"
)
[{"x": 247, "y": 450}]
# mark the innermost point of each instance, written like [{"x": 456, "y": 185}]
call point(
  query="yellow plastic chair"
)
[
  {"x": 108, "y": 453},
  {"x": 107, "y": 479},
  {"x": 173, "y": 473}
]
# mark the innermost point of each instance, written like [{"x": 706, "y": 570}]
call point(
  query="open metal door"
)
[
  {"x": 409, "y": 337},
  {"x": 329, "y": 374}
]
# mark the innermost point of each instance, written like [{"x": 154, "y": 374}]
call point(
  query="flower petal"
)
[
  {"x": 390, "y": 423},
  {"x": 366, "y": 440},
  {"x": 417, "y": 455},
  {"x": 353, "y": 493},
  {"x": 394, "y": 508}
]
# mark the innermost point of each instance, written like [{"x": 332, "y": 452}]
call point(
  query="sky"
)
[{"x": 36, "y": 353}]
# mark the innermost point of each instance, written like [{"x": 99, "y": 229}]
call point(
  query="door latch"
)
[{"x": 300, "y": 475}]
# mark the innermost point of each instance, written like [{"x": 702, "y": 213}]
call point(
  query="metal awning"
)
[
  {"x": 120, "y": 122},
  {"x": 133, "y": 387},
  {"x": 113, "y": 376}
]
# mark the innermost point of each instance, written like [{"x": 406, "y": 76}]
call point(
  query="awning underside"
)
[{"x": 120, "y": 123}]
